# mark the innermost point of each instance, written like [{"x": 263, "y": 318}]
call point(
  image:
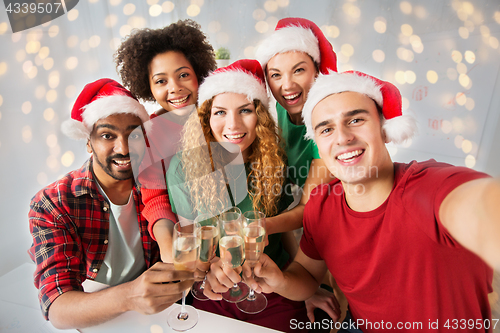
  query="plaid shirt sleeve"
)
[
  {"x": 56, "y": 247},
  {"x": 69, "y": 224}
]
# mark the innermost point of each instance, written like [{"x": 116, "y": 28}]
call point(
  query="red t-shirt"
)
[{"x": 398, "y": 264}]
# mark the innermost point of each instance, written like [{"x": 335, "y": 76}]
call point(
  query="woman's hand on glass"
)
[
  {"x": 250, "y": 279},
  {"x": 202, "y": 268},
  {"x": 209, "y": 243},
  {"x": 220, "y": 279}
]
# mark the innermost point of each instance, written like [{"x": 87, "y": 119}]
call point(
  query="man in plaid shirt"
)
[{"x": 88, "y": 226}]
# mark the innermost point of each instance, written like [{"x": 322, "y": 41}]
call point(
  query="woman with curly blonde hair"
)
[
  {"x": 232, "y": 155},
  {"x": 264, "y": 159}
]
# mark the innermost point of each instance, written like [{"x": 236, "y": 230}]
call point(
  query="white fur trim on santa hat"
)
[
  {"x": 75, "y": 129},
  {"x": 101, "y": 108},
  {"x": 293, "y": 38},
  {"x": 333, "y": 83},
  {"x": 397, "y": 129},
  {"x": 239, "y": 82}
]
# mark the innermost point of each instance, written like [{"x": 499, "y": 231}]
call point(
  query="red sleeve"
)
[
  {"x": 426, "y": 185},
  {"x": 155, "y": 196}
]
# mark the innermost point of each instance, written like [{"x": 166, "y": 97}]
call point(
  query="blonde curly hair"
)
[{"x": 265, "y": 181}]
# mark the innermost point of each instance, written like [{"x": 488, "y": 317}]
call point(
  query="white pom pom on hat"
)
[
  {"x": 98, "y": 100},
  {"x": 397, "y": 127}
]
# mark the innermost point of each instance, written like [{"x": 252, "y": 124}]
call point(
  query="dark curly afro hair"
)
[{"x": 135, "y": 54}]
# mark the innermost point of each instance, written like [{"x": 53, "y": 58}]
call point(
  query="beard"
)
[{"x": 107, "y": 165}]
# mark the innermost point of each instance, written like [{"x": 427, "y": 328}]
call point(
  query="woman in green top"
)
[
  {"x": 292, "y": 57},
  {"x": 232, "y": 155}
]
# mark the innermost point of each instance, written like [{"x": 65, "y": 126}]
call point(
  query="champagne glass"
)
[
  {"x": 254, "y": 234},
  {"x": 232, "y": 251},
  {"x": 209, "y": 240},
  {"x": 186, "y": 250}
]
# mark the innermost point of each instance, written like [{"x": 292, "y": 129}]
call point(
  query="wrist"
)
[
  {"x": 123, "y": 293},
  {"x": 282, "y": 283},
  {"x": 163, "y": 234},
  {"x": 270, "y": 226}
]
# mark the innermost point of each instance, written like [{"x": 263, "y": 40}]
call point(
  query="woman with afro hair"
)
[{"x": 165, "y": 65}]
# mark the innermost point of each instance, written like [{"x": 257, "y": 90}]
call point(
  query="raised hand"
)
[
  {"x": 158, "y": 288},
  {"x": 268, "y": 276},
  {"x": 220, "y": 279}
]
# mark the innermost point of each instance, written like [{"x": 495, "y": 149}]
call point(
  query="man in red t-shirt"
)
[{"x": 408, "y": 244}]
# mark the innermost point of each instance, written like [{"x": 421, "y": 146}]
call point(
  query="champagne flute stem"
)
[
  {"x": 202, "y": 287},
  {"x": 251, "y": 295},
  {"x": 183, "y": 315}
]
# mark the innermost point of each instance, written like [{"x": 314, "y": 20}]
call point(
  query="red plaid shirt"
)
[{"x": 69, "y": 223}]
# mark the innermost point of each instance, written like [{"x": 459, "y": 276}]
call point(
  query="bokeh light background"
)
[{"x": 443, "y": 55}]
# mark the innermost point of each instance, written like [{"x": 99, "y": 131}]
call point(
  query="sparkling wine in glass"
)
[
  {"x": 186, "y": 243},
  {"x": 232, "y": 251},
  {"x": 209, "y": 241},
  {"x": 254, "y": 234}
]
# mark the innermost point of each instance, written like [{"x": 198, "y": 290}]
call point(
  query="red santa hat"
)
[
  {"x": 298, "y": 34},
  {"x": 397, "y": 127},
  {"x": 98, "y": 100},
  {"x": 242, "y": 77}
]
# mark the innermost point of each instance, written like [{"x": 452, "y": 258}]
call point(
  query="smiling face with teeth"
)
[
  {"x": 348, "y": 133},
  {"x": 290, "y": 76},
  {"x": 173, "y": 81},
  {"x": 233, "y": 119},
  {"x": 116, "y": 144}
]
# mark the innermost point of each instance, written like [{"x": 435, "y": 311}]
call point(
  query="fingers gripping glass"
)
[
  {"x": 254, "y": 233},
  {"x": 232, "y": 251},
  {"x": 186, "y": 250},
  {"x": 209, "y": 240}
]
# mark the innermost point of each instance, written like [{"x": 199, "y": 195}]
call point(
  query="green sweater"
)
[{"x": 299, "y": 151}]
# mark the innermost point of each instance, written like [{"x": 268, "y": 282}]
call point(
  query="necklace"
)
[{"x": 236, "y": 187}]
